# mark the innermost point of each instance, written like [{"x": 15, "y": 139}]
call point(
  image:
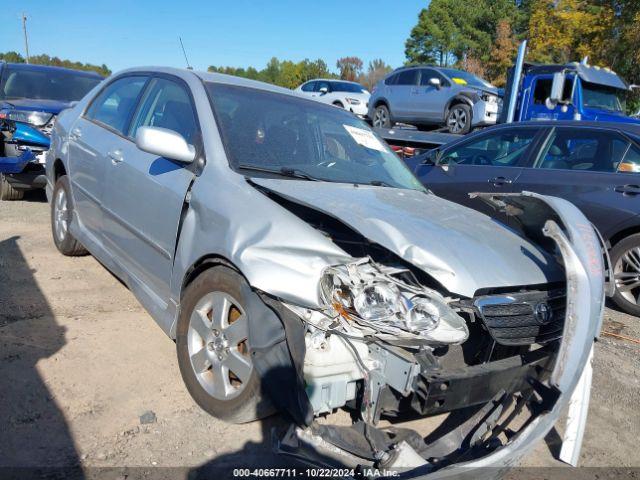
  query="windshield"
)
[
  {"x": 283, "y": 134},
  {"x": 465, "y": 78},
  {"x": 347, "y": 87},
  {"x": 602, "y": 97},
  {"x": 63, "y": 85}
]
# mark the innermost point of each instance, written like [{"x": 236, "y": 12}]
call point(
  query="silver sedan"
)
[{"x": 299, "y": 266}]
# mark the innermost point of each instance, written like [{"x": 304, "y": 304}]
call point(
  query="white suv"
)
[{"x": 348, "y": 95}]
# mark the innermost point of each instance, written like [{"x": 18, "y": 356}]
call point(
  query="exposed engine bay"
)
[{"x": 389, "y": 344}]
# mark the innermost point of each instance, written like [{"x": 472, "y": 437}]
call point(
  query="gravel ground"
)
[{"x": 81, "y": 362}]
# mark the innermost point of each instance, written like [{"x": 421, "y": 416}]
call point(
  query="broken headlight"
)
[{"x": 374, "y": 297}]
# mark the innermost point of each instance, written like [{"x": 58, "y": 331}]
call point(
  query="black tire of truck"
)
[{"x": 7, "y": 192}]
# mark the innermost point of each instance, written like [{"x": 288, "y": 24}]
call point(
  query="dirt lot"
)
[{"x": 81, "y": 361}]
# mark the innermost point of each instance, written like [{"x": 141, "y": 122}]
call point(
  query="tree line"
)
[
  {"x": 288, "y": 74},
  {"x": 43, "y": 59}
]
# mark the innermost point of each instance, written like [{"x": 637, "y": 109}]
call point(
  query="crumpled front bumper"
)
[{"x": 553, "y": 220}]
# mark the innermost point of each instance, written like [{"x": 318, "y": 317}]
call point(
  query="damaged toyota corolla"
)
[{"x": 301, "y": 267}]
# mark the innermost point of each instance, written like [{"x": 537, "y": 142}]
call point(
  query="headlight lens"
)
[
  {"x": 360, "y": 293},
  {"x": 37, "y": 119},
  {"x": 377, "y": 302},
  {"x": 352, "y": 101},
  {"x": 491, "y": 99}
]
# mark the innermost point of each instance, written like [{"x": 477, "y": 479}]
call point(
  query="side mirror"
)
[
  {"x": 557, "y": 90},
  {"x": 165, "y": 143},
  {"x": 431, "y": 157},
  {"x": 323, "y": 90},
  {"x": 435, "y": 82}
]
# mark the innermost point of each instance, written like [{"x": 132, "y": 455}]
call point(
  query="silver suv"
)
[{"x": 431, "y": 96}]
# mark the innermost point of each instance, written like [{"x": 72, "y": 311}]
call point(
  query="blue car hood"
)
[
  {"x": 602, "y": 116},
  {"x": 50, "y": 106}
]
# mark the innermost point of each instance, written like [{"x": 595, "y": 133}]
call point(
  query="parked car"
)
[
  {"x": 299, "y": 265},
  {"x": 596, "y": 166},
  {"x": 427, "y": 96},
  {"x": 31, "y": 96},
  {"x": 348, "y": 95}
]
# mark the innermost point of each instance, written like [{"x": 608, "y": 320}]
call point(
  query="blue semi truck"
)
[{"x": 31, "y": 96}]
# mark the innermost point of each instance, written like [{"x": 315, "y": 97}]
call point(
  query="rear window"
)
[
  {"x": 408, "y": 77},
  {"x": 46, "y": 84}
]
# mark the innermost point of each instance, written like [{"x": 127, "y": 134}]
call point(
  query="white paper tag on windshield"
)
[{"x": 365, "y": 138}]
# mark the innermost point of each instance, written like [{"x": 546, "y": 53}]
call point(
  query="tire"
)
[
  {"x": 209, "y": 343},
  {"x": 61, "y": 214},
  {"x": 7, "y": 192},
  {"x": 338, "y": 104},
  {"x": 459, "y": 119},
  {"x": 382, "y": 117},
  {"x": 625, "y": 261}
]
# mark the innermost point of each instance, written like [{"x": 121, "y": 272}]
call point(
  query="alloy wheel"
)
[
  {"x": 380, "y": 118},
  {"x": 217, "y": 344},
  {"x": 626, "y": 273},
  {"x": 61, "y": 215},
  {"x": 457, "y": 120}
]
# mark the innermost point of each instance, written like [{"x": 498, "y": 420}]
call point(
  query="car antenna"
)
[{"x": 189, "y": 67}]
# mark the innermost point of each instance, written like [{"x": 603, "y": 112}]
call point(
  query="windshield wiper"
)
[
  {"x": 283, "y": 171},
  {"x": 380, "y": 183}
]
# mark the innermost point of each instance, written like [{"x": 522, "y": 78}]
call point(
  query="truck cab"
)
[{"x": 573, "y": 91}]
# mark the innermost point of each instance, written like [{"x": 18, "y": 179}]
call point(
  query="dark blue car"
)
[
  {"x": 596, "y": 166},
  {"x": 31, "y": 96}
]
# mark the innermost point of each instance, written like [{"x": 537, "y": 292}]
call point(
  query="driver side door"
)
[{"x": 488, "y": 163}]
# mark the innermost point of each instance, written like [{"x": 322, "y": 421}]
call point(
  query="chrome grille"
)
[{"x": 523, "y": 318}]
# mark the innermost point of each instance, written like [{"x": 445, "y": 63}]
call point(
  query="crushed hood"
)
[{"x": 462, "y": 249}]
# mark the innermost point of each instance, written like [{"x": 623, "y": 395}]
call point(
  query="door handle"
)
[
  {"x": 628, "y": 190},
  {"x": 75, "y": 134},
  {"x": 500, "y": 181},
  {"x": 115, "y": 156}
]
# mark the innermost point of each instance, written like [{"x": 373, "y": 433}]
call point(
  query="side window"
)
[
  {"x": 392, "y": 79},
  {"x": 503, "y": 149},
  {"x": 408, "y": 77},
  {"x": 167, "y": 105},
  {"x": 631, "y": 162},
  {"x": 542, "y": 90},
  {"x": 308, "y": 87},
  {"x": 114, "y": 106},
  {"x": 426, "y": 74},
  {"x": 320, "y": 85},
  {"x": 583, "y": 149}
]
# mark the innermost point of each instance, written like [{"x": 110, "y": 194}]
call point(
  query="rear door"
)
[
  {"x": 489, "y": 162},
  {"x": 596, "y": 169},
  {"x": 89, "y": 141},
  {"x": 145, "y": 193},
  {"x": 401, "y": 99}
]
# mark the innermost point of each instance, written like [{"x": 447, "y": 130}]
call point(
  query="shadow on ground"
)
[{"x": 34, "y": 435}]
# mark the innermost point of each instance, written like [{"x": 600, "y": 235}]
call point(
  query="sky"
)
[{"x": 237, "y": 33}]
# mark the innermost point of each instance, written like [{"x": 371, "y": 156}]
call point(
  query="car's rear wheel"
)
[
  {"x": 459, "y": 119},
  {"x": 7, "y": 192},
  {"x": 382, "y": 117},
  {"x": 61, "y": 214},
  {"x": 213, "y": 348},
  {"x": 625, "y": 259}
]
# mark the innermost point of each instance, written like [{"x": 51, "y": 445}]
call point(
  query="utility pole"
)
[{"x": 26, "y": 40}]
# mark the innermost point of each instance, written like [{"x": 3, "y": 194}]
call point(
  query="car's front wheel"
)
[
  {"x": 213, "y": 348},
  {"x": 382, "y": 117},
  {"x": 61, "y": 214},
  {"x": 459, "y": 119},
  {"x": 625, "y": 258}
]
